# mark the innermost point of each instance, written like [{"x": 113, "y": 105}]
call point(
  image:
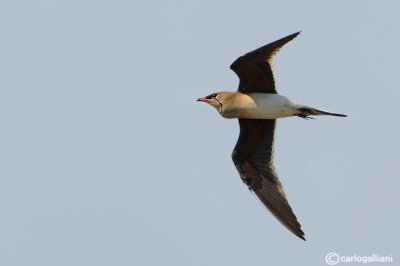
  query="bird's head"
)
[{"x": 214, "y": 100}]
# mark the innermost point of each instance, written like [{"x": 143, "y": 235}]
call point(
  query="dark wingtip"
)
[
  {"x": 295, "y": 34},
  {"x": 302, "y": 237},
  {"x": 296, "y": 230}
]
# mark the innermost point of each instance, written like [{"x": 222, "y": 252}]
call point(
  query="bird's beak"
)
[{"x": 202, "y": 99}]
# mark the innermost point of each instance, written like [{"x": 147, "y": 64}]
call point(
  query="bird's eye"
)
[{"x": 211, "y": 96}]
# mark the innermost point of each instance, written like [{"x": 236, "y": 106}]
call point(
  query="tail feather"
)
[{"x": 306, "y": 111}]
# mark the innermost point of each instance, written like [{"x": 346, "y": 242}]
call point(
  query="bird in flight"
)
[{"x": 257, "y": 106}]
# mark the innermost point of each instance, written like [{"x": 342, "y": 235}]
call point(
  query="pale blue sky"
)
[{"x": 107, "y": 159}]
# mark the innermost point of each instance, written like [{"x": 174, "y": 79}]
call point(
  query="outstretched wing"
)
[
  {"x": 253, "y": 158},
  {"x": 254, "y": 68}
]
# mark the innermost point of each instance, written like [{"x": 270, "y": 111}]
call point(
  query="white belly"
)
[{"x": 261, "y": 106}]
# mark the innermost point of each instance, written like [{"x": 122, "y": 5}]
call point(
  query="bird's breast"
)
[{"x": 258, "y": 106}]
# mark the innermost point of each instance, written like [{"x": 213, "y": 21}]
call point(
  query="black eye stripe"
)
[{"x": 211, "y": 96}]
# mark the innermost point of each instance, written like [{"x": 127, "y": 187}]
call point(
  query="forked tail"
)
[{"x": 305, "y": 112}]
